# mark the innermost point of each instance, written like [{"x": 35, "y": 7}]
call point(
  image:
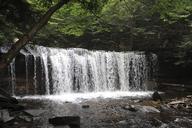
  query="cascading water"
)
[
  {"x": 13, "y": 76},
  {"x": 80, "y": 70}
]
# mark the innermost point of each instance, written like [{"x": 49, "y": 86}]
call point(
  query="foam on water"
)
[{"x": 79, "y": 97}]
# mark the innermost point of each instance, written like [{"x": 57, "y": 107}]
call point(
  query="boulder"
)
[
  {"x": 130, "y": 108},
  {"x": 72, "y": 121},
  {"x": 165, "y": 108},
  {"x": 85, "y": 106},
  {"x": 156, "y": 96}
]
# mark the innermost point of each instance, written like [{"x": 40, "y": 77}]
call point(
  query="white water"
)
[
  {"x": 76, "y": 72},
  {"x": 13, "y": 76},
  {"x": 79, "y": 97}
]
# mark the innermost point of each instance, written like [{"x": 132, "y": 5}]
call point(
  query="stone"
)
[
  {"x": 6, "y": 97},
  {"x": 62, "y": 126},
  {"x": 122, "y": 122},
  {"x": 189, "y": 107},
  {"x": 4, "y": 116},
  {"x": 137, "y": 101},
  {"x": 130, "y": 108},
  {"x": 26, "y": 118},
  {"x": 148, "y": 109},
  {"x": 156, "y": 96},
  {"x": 165, "y": 108},
  {"x": 34, "y": 112},
  {"x": 189, "y": 96},
  {"x": 164, "y": 126},
  {"x": 85, "y": 106},
  {"x": 72, "y": 121},
  {"x": 14, "y": 107}
]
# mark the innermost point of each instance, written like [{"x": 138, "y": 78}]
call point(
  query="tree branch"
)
[{"x": 5, "y": 59}]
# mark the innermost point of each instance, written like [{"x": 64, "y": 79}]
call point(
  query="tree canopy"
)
[{"x": 153, "y": 24}]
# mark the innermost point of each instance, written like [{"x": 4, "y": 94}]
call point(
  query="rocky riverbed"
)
[{"x": 102, "y": 113}]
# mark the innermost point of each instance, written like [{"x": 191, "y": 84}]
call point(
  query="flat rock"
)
[
  {"x": 35, "y": 112},
  {"x": 148, "y": 109}
]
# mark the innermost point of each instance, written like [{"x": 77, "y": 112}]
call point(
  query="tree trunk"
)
[{"x": 5, "y": 59}]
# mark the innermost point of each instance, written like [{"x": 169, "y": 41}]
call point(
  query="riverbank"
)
[{"x": 107, "y": 113}]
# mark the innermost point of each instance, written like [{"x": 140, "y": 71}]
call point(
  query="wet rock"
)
[
  {"x": 189, "y": 106},
  {"x": 156, "y": 96},
  {"x": 26, "y": 118},
  {"x": 5, "y": 97},
  {"x": 62, "y": 126},
  {"x": 165, "y": 108},
  {"x": 189, "y": 96},
  {"x": 35, "y": 112},
  {"x": 4, "y": 116},
  {"x": 164, "y": 126},
  {"x": 130, "y": 108},
  {"x": 72, "y": 121},
  {"x": 85, "y": 106},
  {"x": 176, "y": 102},
  {"x": 14, "y": 107},
  {"x": 137, "y": 101},
  {"x": 122, "y": 122},
  {"x": 179, "y": 104},
  {"x": 148, "y": 109},
  {"x": 184, "y": 119},
  {"x": 156, "y": 122},
  {"x": 183, "y": 122}
]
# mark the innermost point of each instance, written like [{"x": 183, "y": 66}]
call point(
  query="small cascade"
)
[
  {"x": 13, "y": 76},
  {"x": 80, "y": 70},
  {"x": 35, "y": 75},
  {"x": 27, "y": 73},
  {"x": 26, "y": 54}
]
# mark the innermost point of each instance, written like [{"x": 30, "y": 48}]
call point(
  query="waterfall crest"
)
[{"x": 81, "y": 70}]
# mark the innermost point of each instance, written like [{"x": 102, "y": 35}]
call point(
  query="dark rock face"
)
[
  {"x": 8, "y": 102},
  {"x": 71, "y": 121},
  {"x": 85, "y": 106}
]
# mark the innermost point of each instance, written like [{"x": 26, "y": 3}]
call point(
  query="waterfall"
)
[
  {"x": 81, "y": 70},
  {"x": 13, "y": 76}
]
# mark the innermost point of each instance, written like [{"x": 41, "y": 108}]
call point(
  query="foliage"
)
[
  {"x": 173, "y": 10},
  {"x": 157, "y": 23}
]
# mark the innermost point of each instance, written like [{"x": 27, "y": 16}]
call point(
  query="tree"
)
[{"x": 7, "y": 58}]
